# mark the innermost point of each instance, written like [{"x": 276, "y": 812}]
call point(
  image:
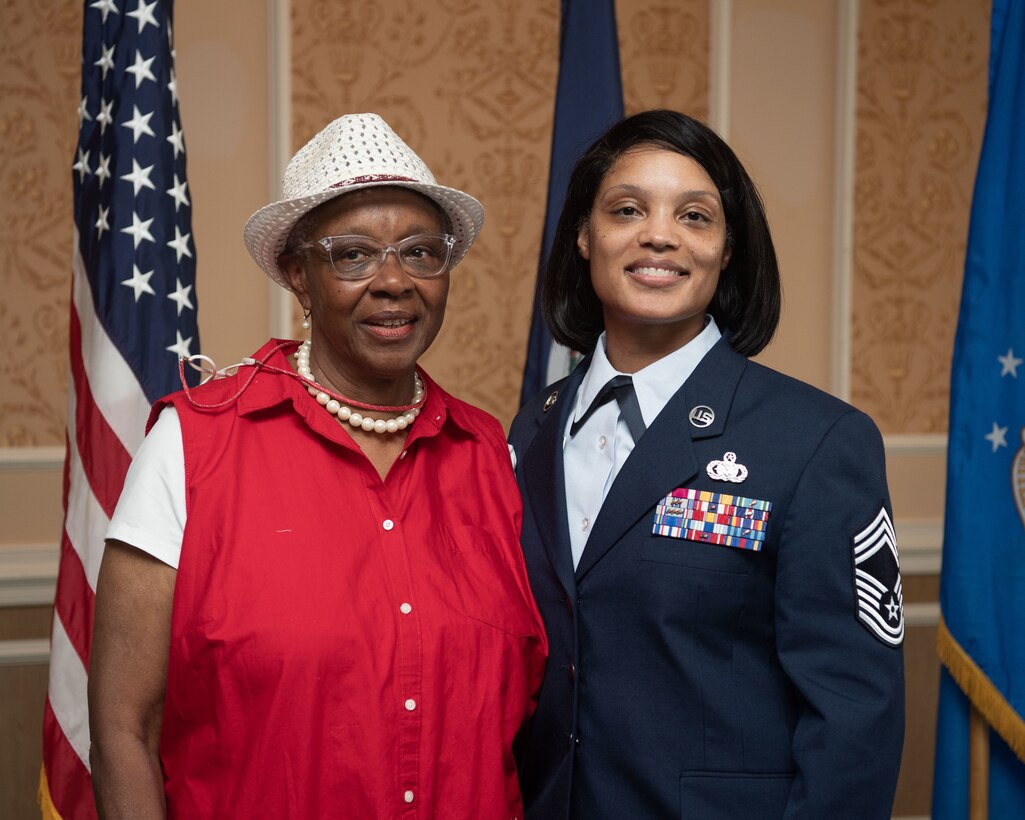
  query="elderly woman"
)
[
  {"x": 709, "y": 541},
  {"x": 313, "y": 602}
]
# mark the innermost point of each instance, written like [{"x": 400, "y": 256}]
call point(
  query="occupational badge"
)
[
  {"x": 550, "y": 401},
  {"x": 727, "y": 469},
  {"x": 880, "y": 599}
]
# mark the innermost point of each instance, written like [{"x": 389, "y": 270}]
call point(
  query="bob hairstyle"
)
[{"x": 747, "y": 299}]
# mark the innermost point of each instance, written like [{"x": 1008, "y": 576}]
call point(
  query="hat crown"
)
[
  {"x": 354, "y": 149},
  {"x": 353, "y": 153}
]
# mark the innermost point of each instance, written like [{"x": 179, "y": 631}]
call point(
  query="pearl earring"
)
[{"x": 306, "y": 320}]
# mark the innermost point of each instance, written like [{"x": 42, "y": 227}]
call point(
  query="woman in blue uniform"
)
[{"x": 709, "y": 541}]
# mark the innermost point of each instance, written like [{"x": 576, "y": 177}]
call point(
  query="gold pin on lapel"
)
[{"x": 550, "y": 401}]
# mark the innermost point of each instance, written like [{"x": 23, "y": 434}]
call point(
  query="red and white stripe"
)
[{"x": 107, "y": 413}]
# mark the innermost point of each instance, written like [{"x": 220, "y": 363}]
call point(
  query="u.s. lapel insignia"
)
[
  {"x": 550, "y": 401},
  {"x": 727, "y": 469},
  {"x": 701, "y": 416},
  {"x": 880, "y": 598}
]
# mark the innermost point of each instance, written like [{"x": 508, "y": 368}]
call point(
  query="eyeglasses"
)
[{"x": 423, "y": 256}]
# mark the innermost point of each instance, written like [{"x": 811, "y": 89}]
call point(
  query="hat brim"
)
[{"x": 267, "y": 230}]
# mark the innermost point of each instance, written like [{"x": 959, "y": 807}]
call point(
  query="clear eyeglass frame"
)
[{"x": 370, "y": 254}]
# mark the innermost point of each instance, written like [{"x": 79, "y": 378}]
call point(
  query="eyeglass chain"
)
[{"x": 328, "y": 399}]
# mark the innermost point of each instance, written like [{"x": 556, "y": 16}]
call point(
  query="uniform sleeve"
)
[
  {"x": 150, "y": 514},
  {"x": 839, "y": 626}
]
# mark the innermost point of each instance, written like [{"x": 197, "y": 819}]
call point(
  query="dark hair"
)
[{"x": 747, "y": 300}]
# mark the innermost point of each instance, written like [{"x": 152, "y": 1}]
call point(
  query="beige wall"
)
[
  {"x": 782, "y": 123},
  {"x": 859, "y": 120},
  {"x": 472, "y": 94},
  {"x": 223, "y": 76}
]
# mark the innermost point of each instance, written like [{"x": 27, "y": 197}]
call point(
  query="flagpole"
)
[{"x": 978, "y": 766}]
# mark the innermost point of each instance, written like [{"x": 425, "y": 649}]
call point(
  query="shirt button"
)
[
  {"x": 602, "y": 441},
  {"x": 410, "y": 705},
  {"x": 585, "y": 524},
  {"x": 405, "y": 609},
  {"x": 388, "y": 524},
  {"x": 408, "y": 797}
]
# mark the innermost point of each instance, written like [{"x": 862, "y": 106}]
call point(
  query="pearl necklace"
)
[{"x": 346, "y": 413}]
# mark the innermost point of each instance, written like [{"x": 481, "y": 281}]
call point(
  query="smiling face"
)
[
  {"x": 367, "y": 335},
  {"x": 656, "y": 243}
]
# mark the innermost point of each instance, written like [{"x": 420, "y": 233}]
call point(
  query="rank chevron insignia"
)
[{"x": 880, "y": 599}]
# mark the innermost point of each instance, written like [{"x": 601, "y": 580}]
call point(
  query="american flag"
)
[{"x": 133, "y": 313}]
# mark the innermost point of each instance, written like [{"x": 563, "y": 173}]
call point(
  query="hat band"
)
[{"x": 374, "y": 178}]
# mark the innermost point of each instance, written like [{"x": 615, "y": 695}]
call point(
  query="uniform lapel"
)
[
  {"x": 545, "y": 479},
  {"x": 664, "y": 458}
]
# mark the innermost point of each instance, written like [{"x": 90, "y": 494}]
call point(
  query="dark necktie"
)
[{"x": 622, "y": 388}]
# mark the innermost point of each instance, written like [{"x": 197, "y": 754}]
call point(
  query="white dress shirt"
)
[{"x": 594, "y": 456}]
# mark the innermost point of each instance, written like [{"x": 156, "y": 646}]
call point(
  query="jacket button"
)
[{"x": 571, "y": 671}]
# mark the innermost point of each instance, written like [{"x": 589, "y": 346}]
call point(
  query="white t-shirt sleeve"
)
[{"x": 150, "y": 514}]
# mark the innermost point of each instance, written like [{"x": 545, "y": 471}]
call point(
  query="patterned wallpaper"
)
[
  {"x": 663, "y": 50},
  {"x": 470, "y": 86},
  {"x": 920, "y": 113},
  {"x": 40, "y": 48}
]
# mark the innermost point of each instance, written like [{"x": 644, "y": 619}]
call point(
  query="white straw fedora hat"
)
[{"x": 354, "y": 152}]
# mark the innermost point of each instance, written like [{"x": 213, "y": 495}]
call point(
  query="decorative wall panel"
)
[
  {"x": 920, "y": 114},
  {"x": 470, "y": 86},
  {"x": 40, "y": 48},
  {"x": 663, "y": 50}
]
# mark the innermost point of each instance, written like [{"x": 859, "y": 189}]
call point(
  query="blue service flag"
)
[
  {"x": 982, "y": 589},
  {"x": 588, "y": 99}
]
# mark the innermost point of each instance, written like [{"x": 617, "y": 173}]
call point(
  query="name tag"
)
[{"x": 713, "y": 518}]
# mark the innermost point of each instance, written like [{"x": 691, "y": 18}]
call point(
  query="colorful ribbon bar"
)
[{"x": 713, "y": 518}]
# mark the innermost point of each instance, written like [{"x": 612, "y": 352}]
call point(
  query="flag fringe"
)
[
  {"x": 980, "y": 691},
  {"x": 47, "y": 810}
]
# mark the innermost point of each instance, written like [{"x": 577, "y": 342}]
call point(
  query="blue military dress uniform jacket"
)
[{"x": 703, "y": 680}]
